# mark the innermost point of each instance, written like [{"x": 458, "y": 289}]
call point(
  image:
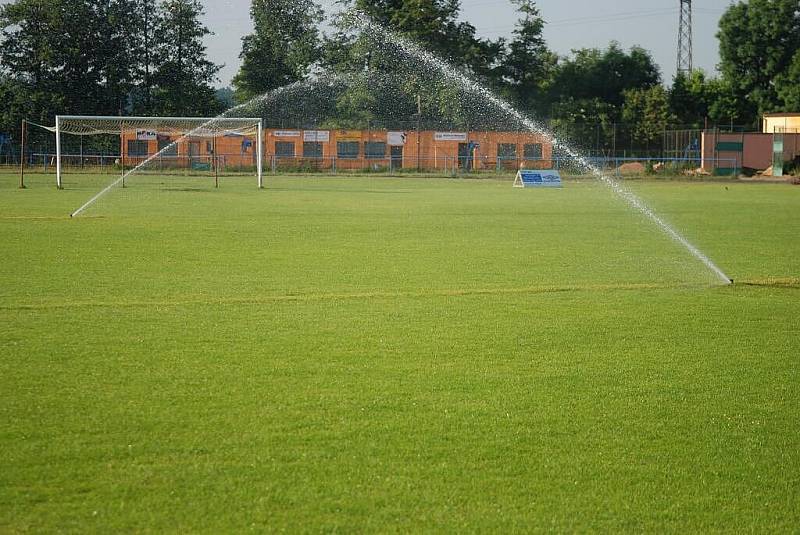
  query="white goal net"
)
[{"x": 163, "y": 144}]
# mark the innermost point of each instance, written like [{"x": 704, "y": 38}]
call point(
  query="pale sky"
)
[{"x": 652, "y": 24}]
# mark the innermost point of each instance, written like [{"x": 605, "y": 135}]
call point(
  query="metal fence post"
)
[{"x": 22, "y": 158}]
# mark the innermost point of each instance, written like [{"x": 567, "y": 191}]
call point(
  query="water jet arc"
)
[{"x": 364, "y": 23}]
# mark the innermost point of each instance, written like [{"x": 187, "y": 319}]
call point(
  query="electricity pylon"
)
[{"x": 685, "y": 38}]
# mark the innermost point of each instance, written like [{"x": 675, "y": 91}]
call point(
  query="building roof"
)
[{"x": 793, "y": 114}]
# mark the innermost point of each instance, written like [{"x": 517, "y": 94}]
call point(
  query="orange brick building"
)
[
  {"x": 348, "y": 149},
  {"x": 358, "y": 149},
  {"x": 170, "y": 151}
]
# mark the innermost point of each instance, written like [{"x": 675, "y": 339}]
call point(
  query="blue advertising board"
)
[{"x": 534, "y": 178}]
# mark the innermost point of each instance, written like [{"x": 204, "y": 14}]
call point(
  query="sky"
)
[{"x": 571, "y": 24}]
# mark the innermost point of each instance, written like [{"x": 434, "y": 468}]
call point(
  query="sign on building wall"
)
[
  {"x": 286, "y": 133},
  {"x": 348, "y": 135},
  {"x": 450, "y": 136},
  {"x": 396, "y": 139},
  {"x": 322, "y": 136},
  {"x": 146, "y": 135}
]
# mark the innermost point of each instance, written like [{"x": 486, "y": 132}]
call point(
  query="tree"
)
[
  {"x": 646, "y": 112},
  {"x": 226, "y": 97},
  {"x": 434, "y": 25},
  {"x": 387, "y": 78},
  {"x": 117, "y": 53},
  {"x": 77, "y": 56},
  {"x": 694, "y": 98},
  {"x": 30, "y": 63},
  {"x": 283, "y": 47},
  {"x": 757, "y": 43},
  {"x": 77, "y": 72},
  {"x": 606, "y": 74},
  {"x": 787, "y": 85},
  {"x": 727, "y": 106},
  {"x": 46, "y": 68},
  {"x": 586, "y": 123},
  {"x": 145, "y": 22},
  {"x": 183, "y": 75},
  {"x": 690, "y": 98},
  {"x": 588, "y": 92},
  {"x": 528, "y": 65}
]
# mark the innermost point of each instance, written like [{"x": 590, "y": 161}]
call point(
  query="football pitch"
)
[{"x": 398, "y": 355}]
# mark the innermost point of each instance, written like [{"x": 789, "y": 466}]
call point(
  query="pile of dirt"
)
[
  {"x": 697, "y": 172},
  {"x": 632, "y": 168},
  {"x": 768, "y": 175}
]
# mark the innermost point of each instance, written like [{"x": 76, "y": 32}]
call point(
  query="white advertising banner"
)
[
  {"x": 450, "y": 136},
  {"x": 317, "y": 135},
  {"x": 146, "y": 135},
  {"x": 396, "y": 139},
  {"x": 286, "y": 133}
]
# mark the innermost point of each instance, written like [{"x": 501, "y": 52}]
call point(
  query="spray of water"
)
[
  {"x": 428, "y": 62},
  {"x": 378, "y": 33}
]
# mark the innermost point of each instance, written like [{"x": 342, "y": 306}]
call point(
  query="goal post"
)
[
  {"x": 259, "y": 155},
  {"x": 58, "y": 152},
  {"x": 148, "y": 129}
]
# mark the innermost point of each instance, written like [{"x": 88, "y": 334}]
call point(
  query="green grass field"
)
[{"x": 397, "y": 354}]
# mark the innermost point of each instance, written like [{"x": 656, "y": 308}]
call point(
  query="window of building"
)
[
  {"x": 533, "y": 151},
  {"x": 137, "y": 148},
  {"x": 167, "y": 146},
  {"x": 347, "y": 149},
  {"x": 284, "y": 149},
  {"x": 375, "y": 149},
  {"x": 507, "y": 151},
  {"x": 312, "y": 149}
]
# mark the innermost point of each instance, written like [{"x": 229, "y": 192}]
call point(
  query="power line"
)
[
  {"x": 578, "y": 21},
  {"x": 615, "y": 18}
]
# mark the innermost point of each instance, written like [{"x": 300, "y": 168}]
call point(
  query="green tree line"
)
[
  {"x": 103, "y": 57},
  {"x": 117, "y": 57}
]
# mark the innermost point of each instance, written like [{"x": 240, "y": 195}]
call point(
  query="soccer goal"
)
[{"x": 169, "y": 144}]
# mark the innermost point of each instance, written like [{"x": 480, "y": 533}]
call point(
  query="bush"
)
[{"x": 792, "y": 167}]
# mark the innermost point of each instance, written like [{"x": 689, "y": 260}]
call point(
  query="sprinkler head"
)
[{"x": 731, "y": 281}]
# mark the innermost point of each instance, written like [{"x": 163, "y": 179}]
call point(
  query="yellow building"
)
[{"x": 788, "y": 123}]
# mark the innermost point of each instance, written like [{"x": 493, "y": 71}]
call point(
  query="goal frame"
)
[{"x": 194, "y": 122}]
